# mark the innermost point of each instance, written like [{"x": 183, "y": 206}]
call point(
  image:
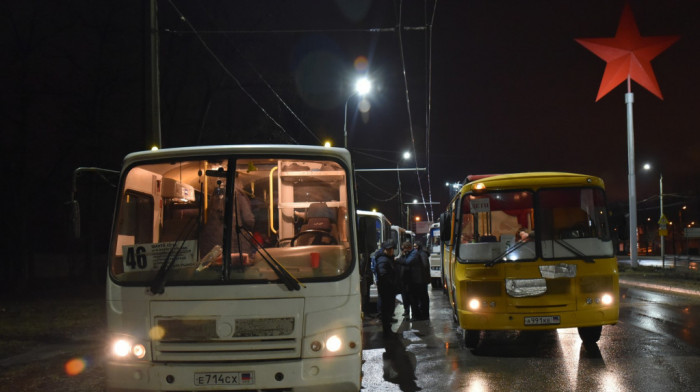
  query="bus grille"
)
[{"x": 212, "y": 331}]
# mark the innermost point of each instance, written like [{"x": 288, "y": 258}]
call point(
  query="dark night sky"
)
[{"x": 511, "y": 89}]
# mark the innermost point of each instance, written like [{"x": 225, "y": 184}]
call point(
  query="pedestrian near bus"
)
[
  {"x": 423, "y": 279},
  {"x": 410, "y": 262},
  {"x": 386, "y": 281},
  {"x": 404, "y": 278}
]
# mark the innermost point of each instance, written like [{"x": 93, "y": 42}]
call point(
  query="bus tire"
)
[
  {"x": 471, "y": 337},
  {"x": 590, "y": 334}
]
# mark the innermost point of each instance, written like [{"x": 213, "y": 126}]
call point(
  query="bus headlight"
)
[
  {"x": 333, "y": 343},
  {"x": 124, "y": 348},
  {"x": 606, "y": 299},
  {"x": 341, "y": 341},
  {"x": 474, "y": 304}
]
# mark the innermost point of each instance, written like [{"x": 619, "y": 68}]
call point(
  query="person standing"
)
[
  {"x": 386, "y": 281},
  {"x": 408, "y": 264},
  {"x": 422, "y": 281}
]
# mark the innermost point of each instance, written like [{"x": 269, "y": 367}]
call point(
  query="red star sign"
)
[{"x": 628, "y": 55}]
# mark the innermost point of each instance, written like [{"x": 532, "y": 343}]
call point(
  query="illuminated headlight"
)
[
  {"x": 341, "y": 341},
  {"x": 474, "y": 304},
  {"x": 334, "y": 343},
  {"x": 123, "y": 348},
  {"x": 606, "y": 299}
]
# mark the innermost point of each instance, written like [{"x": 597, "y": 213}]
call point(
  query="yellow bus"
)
[{"x": 530, "y": 251}]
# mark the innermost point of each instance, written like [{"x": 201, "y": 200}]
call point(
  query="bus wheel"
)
[
  {"x": 471, "y": 337},
  {"x": 590, "y": 334}
]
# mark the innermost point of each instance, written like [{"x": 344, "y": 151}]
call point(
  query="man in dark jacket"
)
[
  {"x": 422, "y": 280},
  {"x": 386, "y": 284},
  {"x": 405, "y": 265}
]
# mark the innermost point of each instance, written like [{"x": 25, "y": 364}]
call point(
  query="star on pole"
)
[{"x": 628, "y": 55}]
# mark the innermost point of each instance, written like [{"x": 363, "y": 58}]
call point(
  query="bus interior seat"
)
[{"x": 319, "y": 217}]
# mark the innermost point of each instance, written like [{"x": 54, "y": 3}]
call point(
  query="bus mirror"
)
[{"x": 445, "y": 228}]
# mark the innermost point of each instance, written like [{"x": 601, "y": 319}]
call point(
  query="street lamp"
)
[
  {"x": 663, "y": 231},
  {"x": 362, "y": 87}
]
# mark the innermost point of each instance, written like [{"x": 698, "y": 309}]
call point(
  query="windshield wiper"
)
[
  {"x": 287, "y": 278},
  {"x": 575, "y": 251},
  {"x": 501, "y": 258},
  {"x": 158, "y": 284}
]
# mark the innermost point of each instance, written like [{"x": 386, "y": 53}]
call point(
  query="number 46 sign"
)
[{"x": 146, "y": 257}]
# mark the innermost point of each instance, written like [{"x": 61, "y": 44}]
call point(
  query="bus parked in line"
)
[
  {"x": 434, "y": 249},
  {"x": 530, "y": 251},
  {"x": 235, "y": 267}
]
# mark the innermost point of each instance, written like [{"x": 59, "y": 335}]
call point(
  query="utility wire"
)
[
  {"x": 298, "y": 31},
  {"x": 227, "y": 71},
  {"x": 262, "y": 79},
  {"x": 408, "y": 102},
  {"x": 429, "y": 71}
]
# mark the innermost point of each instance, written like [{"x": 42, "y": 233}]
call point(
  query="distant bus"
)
[
  {"x": 373, "y": 228},
  {"x": 234, "y": 268},
  {"x": 434, "y": 248},
  {"x": 530, "y": 251}
]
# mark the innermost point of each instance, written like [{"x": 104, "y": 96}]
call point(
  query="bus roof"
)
[
  {"x": 534, "y": 180},
  {"x": 292, "y": 150}
]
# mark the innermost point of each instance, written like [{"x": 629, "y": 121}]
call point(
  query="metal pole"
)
[
  {"x": 661, "y": 207},
  {"x": 629, "y": 100},
  {"x": 345, "y": 122},
  {"x": 154, "y": 75}
]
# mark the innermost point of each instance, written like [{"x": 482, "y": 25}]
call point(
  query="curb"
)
[{"x": 660, "y": 287}]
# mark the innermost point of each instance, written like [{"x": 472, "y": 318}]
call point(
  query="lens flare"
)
[
  {"x": 157, "y": 332},
  {"x": 75, "y": 366},
  {"x": 361, "y": 64}
]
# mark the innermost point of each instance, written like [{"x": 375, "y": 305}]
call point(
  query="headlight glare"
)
[
  {"x": 607, "y": 299},
  {"x": 474, "y": 304},
  {"x": 139, "y": 351},
  {"x": 333, "y": 343},
  {"x": 121, "y": 348}
]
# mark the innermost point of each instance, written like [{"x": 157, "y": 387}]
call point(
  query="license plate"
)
[
  {"x": 224, "y": 378},
  {"x": 543, "y": 320}
]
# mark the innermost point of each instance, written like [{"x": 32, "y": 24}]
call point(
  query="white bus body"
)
[
  {"x": 234, "y": 268},
  {"x": 433, "y": 246},
  {"x": 375, "y": 229}
]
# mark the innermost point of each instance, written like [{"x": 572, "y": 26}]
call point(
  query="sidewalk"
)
[{"x": 680, "y": 275}]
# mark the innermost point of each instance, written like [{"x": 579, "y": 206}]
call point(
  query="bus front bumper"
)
[
  {"x": 537, "y": 321},
  {"x": 310, "y": 375}
]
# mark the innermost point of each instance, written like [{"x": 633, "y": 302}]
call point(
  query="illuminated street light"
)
[
  {"x": 406, "y": 155},
  {"x": 327, "y": 144},
  {"x": 662, "y": 219},
  {"x": 362, "y": 88}
]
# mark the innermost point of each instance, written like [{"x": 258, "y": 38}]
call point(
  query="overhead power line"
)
[{"x": 227, "y": 71}]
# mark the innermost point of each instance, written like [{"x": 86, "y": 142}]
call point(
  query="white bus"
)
[
  {"x": 234, "y": 268},
  {"x": 373, "y": 228},
  {"x": 433, "y": 247}
]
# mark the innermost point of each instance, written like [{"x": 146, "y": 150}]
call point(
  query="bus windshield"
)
[
  {"x": 552, "y": 223},
  {"x": 242, "y": 220}
]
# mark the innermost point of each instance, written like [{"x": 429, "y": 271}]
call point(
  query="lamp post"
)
[
  {"x": 362, "y": 87},
  {"x": 663, "y": 221}
]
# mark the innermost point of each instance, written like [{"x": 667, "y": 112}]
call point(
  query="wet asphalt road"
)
[{"x": 654, "y": 347}]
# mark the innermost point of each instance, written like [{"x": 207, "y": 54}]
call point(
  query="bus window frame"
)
[{"x": 228, "y": 213}]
